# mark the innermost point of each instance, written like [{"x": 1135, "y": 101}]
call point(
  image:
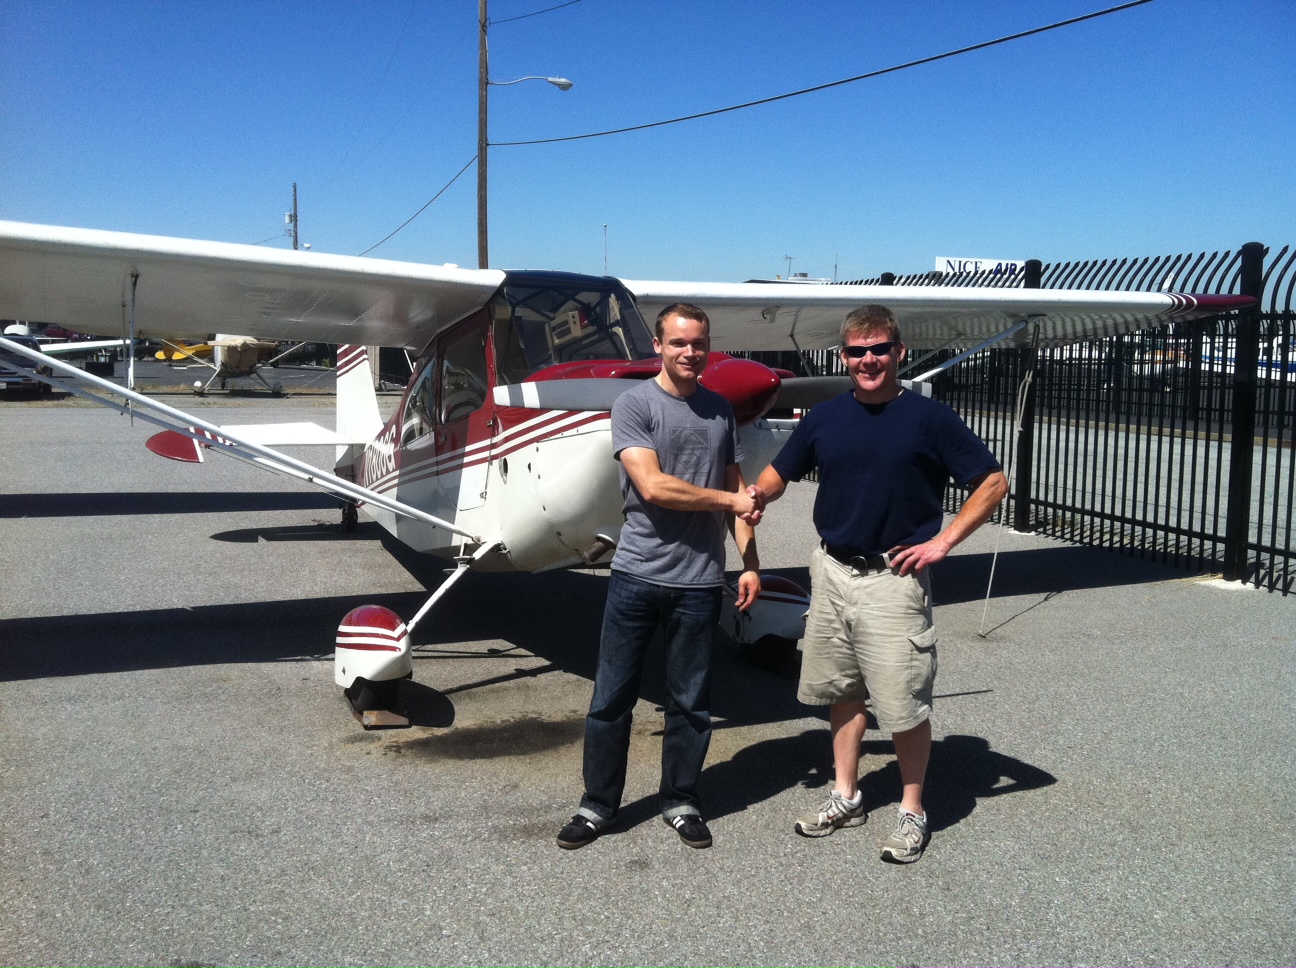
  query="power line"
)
[
  {"x": 768, "y": 100},
  {"x": 391, "y": 56},
  {"x": 421, "y": 210},
  {"x": 509, "y": 20},
  {"x": 824, "y": 87}
]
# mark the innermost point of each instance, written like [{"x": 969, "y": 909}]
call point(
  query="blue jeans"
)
[{"x": 635, "y": 610}]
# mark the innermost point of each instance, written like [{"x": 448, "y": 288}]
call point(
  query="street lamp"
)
[
  {"x": 559, "y": 82},
  {"x": 484, "y": 82}
]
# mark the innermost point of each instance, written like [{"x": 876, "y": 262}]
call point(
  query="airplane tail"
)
[{"x": 358, "y": 419}]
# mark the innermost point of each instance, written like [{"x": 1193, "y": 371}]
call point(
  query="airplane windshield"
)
[{"x": 546, "y": 322}]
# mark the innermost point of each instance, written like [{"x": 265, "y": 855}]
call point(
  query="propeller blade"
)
[{"x": 803, "y": 392}]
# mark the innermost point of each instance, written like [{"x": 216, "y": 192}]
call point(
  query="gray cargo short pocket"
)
[{"x": 922, "y": 666}]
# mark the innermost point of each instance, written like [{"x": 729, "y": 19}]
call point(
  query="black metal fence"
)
[{"x": 1174, "y": 443}]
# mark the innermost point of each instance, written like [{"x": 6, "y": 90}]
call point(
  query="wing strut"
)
[
  {"x": 211, "y": 435},
  {"x": 130, "y": 367},
  {"x": 462, "y": 564},
  {"x": 984, "y": 345},
  {"x": 1018, "y": 417}
]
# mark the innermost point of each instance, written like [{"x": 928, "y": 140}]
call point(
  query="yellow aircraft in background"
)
[{"x": 231, "y": 357}]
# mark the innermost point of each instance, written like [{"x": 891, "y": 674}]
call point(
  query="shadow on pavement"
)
[
  {"x": 963, "y": 770},
  {"x": 105, "y": 503}
]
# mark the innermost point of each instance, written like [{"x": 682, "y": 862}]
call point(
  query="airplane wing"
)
[
  {"x": 82, "y": 278},
  {"x": 793, "y": 316},
  {"x": 81, "y": 346},
  {"x": 85, "y": 279}
]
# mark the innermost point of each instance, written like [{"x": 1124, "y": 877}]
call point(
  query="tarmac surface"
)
[{"x": 181, "y": 783}]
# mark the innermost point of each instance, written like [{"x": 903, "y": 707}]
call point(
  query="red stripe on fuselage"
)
[{"x": 541, "y": 430}]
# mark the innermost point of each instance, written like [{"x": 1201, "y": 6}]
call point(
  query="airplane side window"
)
[
  {"x": 512, "y": 361},
  {"x": 418, "y": 412},
  {"x": 463, "y": 377}
]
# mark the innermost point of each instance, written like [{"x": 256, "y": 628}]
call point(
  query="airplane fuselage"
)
[{"x": 542, "y": 481}]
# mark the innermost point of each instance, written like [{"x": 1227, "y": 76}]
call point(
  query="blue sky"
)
[{"x": 1161, "y": 129}]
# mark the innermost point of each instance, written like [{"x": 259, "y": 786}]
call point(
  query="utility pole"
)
[
  {"x": 483, "y": 79},
  {"x": 291, "y": 218},
  {"x": 789, "y": 262}
]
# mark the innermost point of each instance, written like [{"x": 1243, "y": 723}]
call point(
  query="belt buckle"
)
[{"x": 868, "y": 564}]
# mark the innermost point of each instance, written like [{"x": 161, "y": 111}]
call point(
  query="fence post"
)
[
  {"x": 1246, "y": 358},
  {"x": 1024, "y": 458}
]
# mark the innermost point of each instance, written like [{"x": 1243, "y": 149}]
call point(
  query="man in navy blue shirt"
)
[{"x": 884, "y": 457}]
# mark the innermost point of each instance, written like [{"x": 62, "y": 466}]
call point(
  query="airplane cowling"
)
[
  {"x": 372, "y": 644},
  {"x": 750, "y": 387}
]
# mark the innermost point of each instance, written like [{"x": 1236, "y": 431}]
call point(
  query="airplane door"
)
[{"x": 462, "y": 435}]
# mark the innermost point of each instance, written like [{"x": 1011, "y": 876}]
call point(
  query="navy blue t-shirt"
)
[{"x": 882, "y": 468}]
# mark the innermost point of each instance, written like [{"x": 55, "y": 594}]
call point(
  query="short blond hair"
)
[{"x": 870, "y": 319}]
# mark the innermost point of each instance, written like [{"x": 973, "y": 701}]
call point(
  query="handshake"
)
[{"x": 749, "y": 505}]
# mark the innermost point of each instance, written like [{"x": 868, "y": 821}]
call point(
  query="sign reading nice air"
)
[{"x": 998, "y": 267}]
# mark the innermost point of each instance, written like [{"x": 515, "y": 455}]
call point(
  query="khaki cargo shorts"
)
[{"x": 869, "y": 635}]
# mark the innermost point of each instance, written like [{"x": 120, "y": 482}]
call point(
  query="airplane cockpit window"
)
[
  {"x": 540, "y": 325},
  {"x": 463, "y": 376},
  {"x": 419, "y": 409}
]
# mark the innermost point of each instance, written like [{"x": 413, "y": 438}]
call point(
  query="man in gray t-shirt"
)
[{"x": 677, "y": 443}]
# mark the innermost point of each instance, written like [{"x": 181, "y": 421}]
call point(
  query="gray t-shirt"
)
[{"x": 695, "y": 439}]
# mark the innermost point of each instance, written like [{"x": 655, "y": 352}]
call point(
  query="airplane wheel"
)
[
  {"x": 365, "y": 695},
  {"x": 770, "y": 652},
  {"x": 350, "y": 518}
]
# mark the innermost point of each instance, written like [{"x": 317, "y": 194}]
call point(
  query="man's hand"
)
[
  {"x": 744, "y": 505},
  {"x": 987, "y": 491},
  {"x": 909, "y": 558},
  {"x": 749, "y": 586},
  {"x": 759, "y": 501}
]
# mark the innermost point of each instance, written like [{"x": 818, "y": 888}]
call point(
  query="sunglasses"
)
[{"x": 877, "y": 349}]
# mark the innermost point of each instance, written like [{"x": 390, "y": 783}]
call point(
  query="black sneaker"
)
[
  {"x": 692, "y": 829},
  {"x": 581, "y": 831}
]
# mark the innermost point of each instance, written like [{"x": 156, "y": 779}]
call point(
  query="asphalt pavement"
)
[{"x": 181, "y": 783}]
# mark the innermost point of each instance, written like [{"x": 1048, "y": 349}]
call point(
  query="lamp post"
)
[{"x": 483, "y": 83}]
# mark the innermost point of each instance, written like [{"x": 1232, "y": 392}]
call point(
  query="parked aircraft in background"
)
[
  {"x": 499, "y": 453},
  {"x": 231, "y": 357},
  {"x": 16, "y": 370},
  {"x": 62, "y": 345}
]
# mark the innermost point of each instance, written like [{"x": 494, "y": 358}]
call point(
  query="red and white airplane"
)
[{"x": 499, "y": 453}]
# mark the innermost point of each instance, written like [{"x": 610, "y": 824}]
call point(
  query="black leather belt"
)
[{"x": 859, "y": 562}]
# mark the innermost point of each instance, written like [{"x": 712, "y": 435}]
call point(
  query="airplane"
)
[
  {"x": 232, "y": 357},
  {"x": 498, "y": 455},
  {"x": 18, "y": 378},
  {"x": 62, "y": 347}
]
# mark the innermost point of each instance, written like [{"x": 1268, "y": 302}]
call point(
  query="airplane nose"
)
[{"x": 750, "y": 387}]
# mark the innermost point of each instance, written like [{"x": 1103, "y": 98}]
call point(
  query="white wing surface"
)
[
  {"x": 85, "y": 279},
  {"x": 82, "y": 279},
  {"x": 789, "y": 316}
]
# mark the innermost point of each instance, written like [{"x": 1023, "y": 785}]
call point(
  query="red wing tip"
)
[{"x": 1210, "y": 302}]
